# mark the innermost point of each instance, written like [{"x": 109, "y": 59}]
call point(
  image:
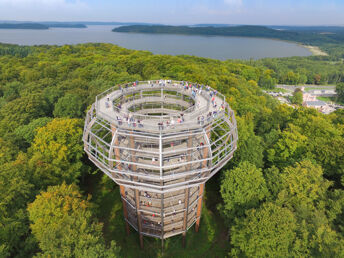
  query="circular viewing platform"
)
[{"x": 160, "y": 106}]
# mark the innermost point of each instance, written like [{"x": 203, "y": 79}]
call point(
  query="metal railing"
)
[{"x": 172, "y": 119}]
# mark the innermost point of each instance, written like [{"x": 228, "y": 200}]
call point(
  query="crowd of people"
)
[{"x": 194, "y": 88}]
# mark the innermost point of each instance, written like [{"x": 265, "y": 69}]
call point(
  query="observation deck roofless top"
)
[
  {"x": 177, "y": 98},
  {"x": 160, "y": 141}
]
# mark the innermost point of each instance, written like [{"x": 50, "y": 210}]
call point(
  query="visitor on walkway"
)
[
  {"x": 202, "y": 120},
  {"x": 209, "y": 116},
  {"x": 119, "y": 120},
  {"x": 172, "y": 123}
]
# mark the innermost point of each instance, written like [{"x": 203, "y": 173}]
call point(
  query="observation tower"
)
[{"x": 160, "y": 141}]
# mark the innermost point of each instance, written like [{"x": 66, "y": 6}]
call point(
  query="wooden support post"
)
[
  {"x": 187, "y": 191},
  {"x": 199, "y": 206},
  {"x": 207, "y": 149},
  {"x": 137, "y": 195},
  {"x": 125, "y": 210},
  {"x": 132, "y": 146},
  {"x": 186, "y": 212},
  {"x": 162, "y": 217},
  {"x": 189, "y": 158},
  {"x": 119, "y": 166},
  {"x": 139, "y": 219},
  {"x": 201, "y": 187}
]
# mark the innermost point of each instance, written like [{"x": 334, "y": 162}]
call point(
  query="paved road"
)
[{"x": 291, "y": 88}]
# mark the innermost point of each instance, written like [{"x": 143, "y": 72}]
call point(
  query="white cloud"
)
[
  {"x": 42, "y": 9},
  {"x": 19, "y": 3},
  {"x": 233, "y": 2}
]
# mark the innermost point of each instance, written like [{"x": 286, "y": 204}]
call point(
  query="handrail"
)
[{"x": 190, "y": 112}]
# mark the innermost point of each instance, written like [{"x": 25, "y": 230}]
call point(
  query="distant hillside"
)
[
  {"x": 65, "y": 25},
  {"x": 40, "y": 26},
  {"x": 315, "y": 29},
  {"x": 25, "y": 26},
  {"x": 305, "y": 37}
]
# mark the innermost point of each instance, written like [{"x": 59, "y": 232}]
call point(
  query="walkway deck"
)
[{"x": 203, "y": 107}]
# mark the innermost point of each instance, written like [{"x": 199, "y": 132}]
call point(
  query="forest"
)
[
  {"x": 24, "y": 26},
  {"x": 315, "y": 70},
  {"x": 280, "y": 196},
  {"x": 304, "y": 36},
  {"x": 40, "y": 26}
]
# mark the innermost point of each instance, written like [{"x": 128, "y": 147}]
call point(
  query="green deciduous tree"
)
[
  {"x": 250, "y": 146},
  {"x": 71, "y": 106},
  {"x": 303, "y": 185},
  {"x": 267, "y": 81},
  {"x": 289, "y": 148},
  {"x": 11, "y": 90},
  {"x": 29, "y": 131},
  {"x": 64, "y": 226},
  {"x": 340, "y": 91},
  {"x": 56, "y": 152},
  {"x": 305, "y": 192},
  {"x": 297, "y": 97},
  {"x": 15, "y": 191},
  {"x": 269, "y": 231},
  {"x": 242, "y": 188},
  {"x": 21, "y": 111}
]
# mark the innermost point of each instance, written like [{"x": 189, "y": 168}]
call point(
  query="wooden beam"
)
[
  {"x": 199, "y": 206},
  {"x": 137, "y": 195},
  {"x": 121, "y": 187},
  {"x": 139, "y": 219},
  {"x": 125, "y": 209},
  {"x": 186, "y": 212}
]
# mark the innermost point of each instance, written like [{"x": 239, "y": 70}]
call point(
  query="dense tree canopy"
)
[
  {"x": 297, "y": 97},
  {"x": 340, "y": 91},
  {"x": 269, "y": 231},
  {"x": 64, "y": 227},
  {"x": 242, "y": 188},
  {"x": 282, "y": 193},
  {"x": 57, "y": 152},
  {"x": 70, "y": 105}
]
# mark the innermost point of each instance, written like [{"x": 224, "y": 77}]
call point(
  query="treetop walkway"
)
[{"x": 160, "y": 141}]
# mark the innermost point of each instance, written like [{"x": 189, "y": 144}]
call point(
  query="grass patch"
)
[{"x": 326, "y": 99}]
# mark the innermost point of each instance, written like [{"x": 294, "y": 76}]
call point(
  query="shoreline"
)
[{"x": 316, "y": 51}]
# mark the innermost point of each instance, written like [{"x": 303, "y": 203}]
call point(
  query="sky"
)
[{"x": 177, "y": 12}]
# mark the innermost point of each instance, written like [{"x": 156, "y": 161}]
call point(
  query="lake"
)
[{"x": 216, "y": 47}]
